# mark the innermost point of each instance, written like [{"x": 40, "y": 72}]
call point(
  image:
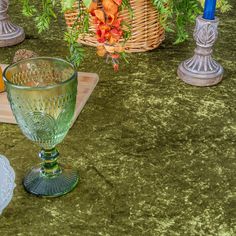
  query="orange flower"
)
[
  {"x": 101, "y": 51},
  {"x": 101, "y": 36},
  {"x": 115, "y": 35},
  {"x": 115, "y": 56},
  {"x": 93, "y": 6},
  {"x": 102, "y": 32},
  {"x": 2, "y": 87},
  {"x": 116, "y": 32},
  {"x": 117, "y": 23},
  {"x": 110, "y": 7},
  {"x": 116, "y": 67},
  {"x": 100, "y": 15},
  {"x": 108, "y": 29},
  {"x": 110, "y": 19},
  {"x": 118, "y": 2},
  {"x": 107, "y": 35},
  {"x": 112, "y": 40},
  {"x": 103, "y": 26}
]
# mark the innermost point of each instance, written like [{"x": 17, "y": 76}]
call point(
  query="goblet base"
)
[{"x": 38, "y": 184}]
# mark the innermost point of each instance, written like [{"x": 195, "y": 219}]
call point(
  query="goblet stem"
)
[
  {"x": 50, "y": 167},
  {"x": 50, "y": 179}
]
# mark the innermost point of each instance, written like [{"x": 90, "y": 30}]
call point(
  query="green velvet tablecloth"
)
[{"x": 156, "y": 156}]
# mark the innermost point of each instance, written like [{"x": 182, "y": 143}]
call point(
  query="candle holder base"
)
[
  {"x": 10, "y": 34},
  {"x": 202, "y": 70},
  {"x": 198, "y": 77},
  {"x": 12, "y": 38}
]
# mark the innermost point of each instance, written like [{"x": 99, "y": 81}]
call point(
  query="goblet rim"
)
[{"x": 72, "y": 77}]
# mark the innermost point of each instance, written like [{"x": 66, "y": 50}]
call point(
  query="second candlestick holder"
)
[{"x": 202, "y": 70}]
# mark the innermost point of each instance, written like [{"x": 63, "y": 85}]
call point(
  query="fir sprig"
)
[
  {"x": 28, "y": 9},
  {"x": 43, "y": 20},
  {"x": 80, "y": 26}
]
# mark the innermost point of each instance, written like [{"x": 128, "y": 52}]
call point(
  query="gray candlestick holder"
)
[
  {"x": 10, "y": 34},
  {"x": 202, "y": 70}
]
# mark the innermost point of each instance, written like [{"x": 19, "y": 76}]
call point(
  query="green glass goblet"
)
[{"x": 42, "y": 93}]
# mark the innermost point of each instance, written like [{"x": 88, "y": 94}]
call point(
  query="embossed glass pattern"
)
[{"x": 42, "y": 93}]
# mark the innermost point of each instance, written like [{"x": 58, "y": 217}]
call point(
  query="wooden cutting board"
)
[{"x": 86, "y": 84}]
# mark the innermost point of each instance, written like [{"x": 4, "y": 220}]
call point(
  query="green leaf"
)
[
  {"x": 67, "y": 4},
  {"x": 87, "y": 3}
]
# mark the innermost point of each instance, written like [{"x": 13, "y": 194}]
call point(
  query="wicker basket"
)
[{"x": 147, "y": 32}]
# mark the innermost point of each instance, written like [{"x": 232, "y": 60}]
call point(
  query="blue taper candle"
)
[{"x": 209, "y": 9}]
